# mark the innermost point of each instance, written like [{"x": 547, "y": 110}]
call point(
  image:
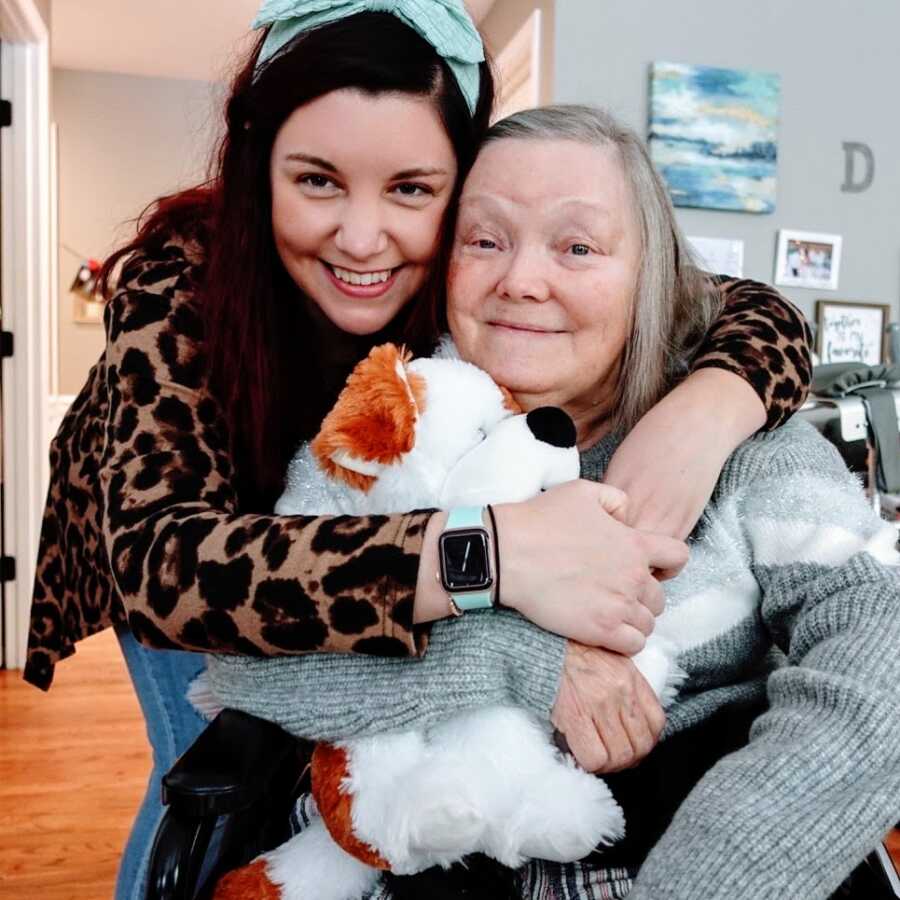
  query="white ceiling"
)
[
  {"x": 198, "y": 39},
  {"x": 164, "y": 38}
]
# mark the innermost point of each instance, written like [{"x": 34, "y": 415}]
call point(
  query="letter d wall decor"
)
[{"x": 853, "y": 184}]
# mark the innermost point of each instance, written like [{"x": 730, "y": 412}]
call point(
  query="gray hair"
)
[{"x": 675, "y": 303}]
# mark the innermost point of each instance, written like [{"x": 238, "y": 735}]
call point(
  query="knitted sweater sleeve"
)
[
  {"x": 818, "y": 784},
  {"x": 192, "y": 569},
  {"x": 480, "y": 659}
]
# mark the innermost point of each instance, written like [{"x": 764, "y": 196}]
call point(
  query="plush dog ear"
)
[
  {"x": 373, "y": 422},
  {"x": 510, "y": 402}
]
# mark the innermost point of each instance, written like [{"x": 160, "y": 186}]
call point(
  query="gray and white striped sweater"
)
[{"x": 789, "y": 555}]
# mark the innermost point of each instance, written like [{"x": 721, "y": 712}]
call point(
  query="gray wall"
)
[
  {"x": 838, "y": 62},
  {"x": 124, "y": 140}
]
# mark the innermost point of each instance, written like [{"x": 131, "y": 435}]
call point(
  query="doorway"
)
[
  {"x": 5, "y": 115},
  {"x": 24, "y": 308},
  {"x": 519, "y": 68}
]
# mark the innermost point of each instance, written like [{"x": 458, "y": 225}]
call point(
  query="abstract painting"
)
[{"x": 713, "y": 135}]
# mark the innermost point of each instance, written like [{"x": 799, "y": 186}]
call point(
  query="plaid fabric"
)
[
  {"x": 539, "y": 880},
  {"x": 303, "y": 813}
]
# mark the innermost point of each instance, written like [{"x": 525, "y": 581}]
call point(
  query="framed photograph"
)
[
  {"x": 808, "y": 259},
  {"x": 851, "y": 332}
]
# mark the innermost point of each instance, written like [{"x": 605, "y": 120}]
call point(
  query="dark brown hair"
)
[{"x": 256, "y": 335}]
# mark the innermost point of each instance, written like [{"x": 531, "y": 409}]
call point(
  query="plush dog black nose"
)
[{"x": 552, "y": 425}]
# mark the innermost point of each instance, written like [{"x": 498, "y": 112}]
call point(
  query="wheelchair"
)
[
  {"x": 240, "y": 780},
  {"x": 242, "y": 776},
  {"x": 231, "y": 796}
]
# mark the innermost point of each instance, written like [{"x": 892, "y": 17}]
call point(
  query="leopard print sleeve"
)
[
  {"x": 765, "y": 339},
  {"x": 191, "y": 570}
]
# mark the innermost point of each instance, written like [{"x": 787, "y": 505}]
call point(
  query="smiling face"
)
[
  {"x": 544, "y": 273},
  {"x": 360, "y": 184}
]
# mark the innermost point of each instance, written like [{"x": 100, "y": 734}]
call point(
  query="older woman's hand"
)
[
  {"x": 606, "y": 712},
  {"x": 570, "y": 566}
]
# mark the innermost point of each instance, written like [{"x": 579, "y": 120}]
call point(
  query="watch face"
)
[{"x": 464, "y": 561}]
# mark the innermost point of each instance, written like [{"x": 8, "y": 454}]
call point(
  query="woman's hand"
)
[
  {"x": 605, "y": 710},
  {"x": 669, "y": 463},
  {"x": 570, "y": 566}
]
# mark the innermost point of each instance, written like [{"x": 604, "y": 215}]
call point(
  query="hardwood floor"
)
[{"x": 73, "y": 766}]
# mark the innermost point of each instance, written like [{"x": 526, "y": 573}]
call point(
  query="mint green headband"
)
[{"x": 445, "y": 24}]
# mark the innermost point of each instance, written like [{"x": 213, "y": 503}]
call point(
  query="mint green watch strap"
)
[
  {"x": 465, "y": 517},
  {"x": 469, "y": 517}
]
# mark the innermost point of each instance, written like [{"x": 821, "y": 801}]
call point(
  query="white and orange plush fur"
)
[{"x": 412, "y": 434}]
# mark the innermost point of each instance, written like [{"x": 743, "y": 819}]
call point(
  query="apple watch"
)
[{"x": 466, "y": 560}]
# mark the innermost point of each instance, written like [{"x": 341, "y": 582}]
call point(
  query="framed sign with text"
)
[{"x": 848, "y": 331}]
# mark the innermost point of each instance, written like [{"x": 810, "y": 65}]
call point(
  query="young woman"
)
[{"x": 241, "y": 307}]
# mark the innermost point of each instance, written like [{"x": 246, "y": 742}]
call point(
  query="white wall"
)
[
  {"x": 838, "y": 64},
  {"x": 123, "y": 141}
]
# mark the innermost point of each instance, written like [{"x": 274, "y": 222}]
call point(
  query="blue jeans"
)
[{"x": 161, "y": 679}]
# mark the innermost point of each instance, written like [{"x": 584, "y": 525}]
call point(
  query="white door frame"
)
[
  {"x": 25, "y": 217},
  {"x": 518, "y": 66}
]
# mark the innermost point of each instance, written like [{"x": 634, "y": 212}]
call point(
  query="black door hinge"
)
[
  {"x": 7, "y": 568},
  {"x": 5, "y": 113},
  {"x": 6, "y": 344}
]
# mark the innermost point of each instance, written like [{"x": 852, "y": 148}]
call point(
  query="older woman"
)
[{"x": 570, "y": 284}]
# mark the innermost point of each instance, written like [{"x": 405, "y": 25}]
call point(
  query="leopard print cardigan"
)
[{"x": 143, "y": 523}]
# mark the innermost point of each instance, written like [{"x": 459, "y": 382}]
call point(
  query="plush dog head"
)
[
  {"x": 439, "y": 431},
  {"x": 374, "y": 420}
]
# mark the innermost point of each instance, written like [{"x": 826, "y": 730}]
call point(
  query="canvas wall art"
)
[{"x": 713, "y": 135}]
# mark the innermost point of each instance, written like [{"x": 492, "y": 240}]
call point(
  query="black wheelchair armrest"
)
[
  {"x": 228, "y": 767},
  {"x": 229, "y": 799}
]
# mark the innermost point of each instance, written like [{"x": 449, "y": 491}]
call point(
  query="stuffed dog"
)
[{"x": 412, "y": 434}]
